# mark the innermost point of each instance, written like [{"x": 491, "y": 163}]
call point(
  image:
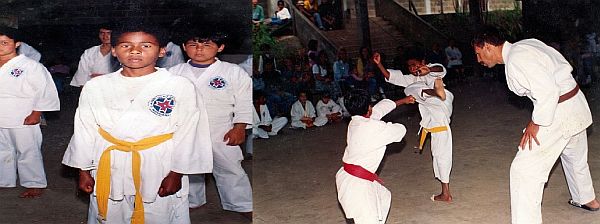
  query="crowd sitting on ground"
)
[{"x": 291, "y": 85}]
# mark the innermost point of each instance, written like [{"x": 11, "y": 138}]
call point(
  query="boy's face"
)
[
  {"x": 8, "y": 46},
  {"x": 104, "y": 35},
  {"x": 138, "y": 50},
  {"x": 414, "y": 65},
  {"x": 202, "y": 52},
  {"x": 326, "y": 99},
  {"x": 302, "y": 97}
]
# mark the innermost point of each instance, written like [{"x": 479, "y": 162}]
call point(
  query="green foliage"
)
[
  {"x": 262, "y": 36},
  {"x": 507, "y": 20}
]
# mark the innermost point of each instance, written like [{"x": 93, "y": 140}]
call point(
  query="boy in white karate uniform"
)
[
  {"x": 96, "y": 60},
  {"x": 227, "y": 91},
  {"x": 303, "y": 113},
  {"x": 264, "y": 126},
  {"x": 134, "y": 143},
  {"x": 557, "y": 127},
  {"x": 360, "y": 191},
  {"x": 26, "y": 89},
  {"x": 435, "y": 106},
  {"x": 328, "y": 111},
  {"x": 173, "y": 56}
]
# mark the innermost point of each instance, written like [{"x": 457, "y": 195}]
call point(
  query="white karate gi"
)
[
  {"x": 25, "y": 86},
  {"x": 541, "y": 73},
  {"x": 323, "y": 109},
  {"x": 91, "y": 61},
  {"x": 29, "y": 51},
  {"x": 367, "y": 138},
  {"x": 173, "y": 56},
  {"x": 263, "y": 117},
  {"x": 227, "y": 92},
  {"x": 434, "y": 113},
  {"x": 345, "y": 112},
  {"x": 132, "y": 111},
  {"x": 298, "y": 111}
]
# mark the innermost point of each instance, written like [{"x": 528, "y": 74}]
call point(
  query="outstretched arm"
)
[{"x": 377, "y": 60}]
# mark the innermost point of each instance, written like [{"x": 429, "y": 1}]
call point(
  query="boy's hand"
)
[
  {"x": 267, "y": 128},
  {"x": 86, "y": 182},
  {"x": 33, "y": 118},
  {"x": 423, "y": 70},
  {"x": 405, "y": 100},
  {"x": 236, "y": 135},
  {"x": 530, "y": 133},
  {"x": 377, "y": 58},
  {"x": 170, "y": 185}
]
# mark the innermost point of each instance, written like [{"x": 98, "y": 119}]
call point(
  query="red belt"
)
[
  {"x": 569, "y": 94},
  {"x": 362, "y": 173}
]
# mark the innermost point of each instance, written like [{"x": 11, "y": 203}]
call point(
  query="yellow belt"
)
[
  {"x": 103, "y": 177},
  {"x": 426, "y": 131}
]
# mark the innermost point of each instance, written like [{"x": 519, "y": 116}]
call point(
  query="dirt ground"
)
[
  {"x": 62, "y": 204},
  {"x": 294, "y": 173}
]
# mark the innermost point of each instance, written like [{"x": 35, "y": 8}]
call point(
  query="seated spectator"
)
[
  {"x": 345, "y": 113},
  {"x": 327, "y": 15},
  {"x": 282, "y": 16},
  {"x": 311, "y": 7},
  {"x": 303, "y": 113},
  {"x": 264, "y": 126},
  {"x": 341, "y": 72},
  {"x": 436, "y": 55},
  {"x": 454, "y": 56},
  {"x": 322, "y": 78},
  {"x": 328, "y": 111},
  {"x": 258, "y": 13}
]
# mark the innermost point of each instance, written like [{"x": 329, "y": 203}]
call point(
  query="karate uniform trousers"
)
[
  {"x": 25, "y": 85},
  {"x": 436, "y": 113},
  {"x": 232, "y": 181}
]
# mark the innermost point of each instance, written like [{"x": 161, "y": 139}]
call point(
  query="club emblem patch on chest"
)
[
  {"x": 16, "y": 72},
  {"x": 162, "y": 105},
  {"x": 217, "y": 82}
]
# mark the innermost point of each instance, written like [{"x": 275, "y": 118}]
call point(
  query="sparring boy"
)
[
  {"x": 96, "y": 60},
  {"x": 265, "y": 126},
  {"x": 360, "y": 191},
  {"x": 435, "y": 106},
  {"x": 26, "y": 89},
  {"x": 134, "y": 143},
  {"x": 303, "y": 113},
  {"x": 226, "y": 89}
]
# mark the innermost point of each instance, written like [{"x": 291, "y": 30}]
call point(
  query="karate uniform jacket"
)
[
  {"x": 166, "y": 104},
  {"x": 25, "y": 86}
]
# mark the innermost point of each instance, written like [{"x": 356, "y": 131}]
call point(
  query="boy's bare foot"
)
[
  {"x": 442, "y": 197},
  {"x": 32, "y": 193},
  {"x": 593, "y": 204},
  {"x": 438, "y": 86}
]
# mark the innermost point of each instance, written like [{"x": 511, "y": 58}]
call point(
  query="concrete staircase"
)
[{"x": 384, "y": 37}]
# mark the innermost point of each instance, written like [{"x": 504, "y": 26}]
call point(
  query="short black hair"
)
[
  {"x": 11, "y": 33},
  {"x": 487, "y": 34},
  {"x": 205, "y": 35},
  {"x": 414, "y": 53},
  {"x": 357, "y": 102},
  {"x": 106, "y": 26},
  {"x": 131, "y": 26}
]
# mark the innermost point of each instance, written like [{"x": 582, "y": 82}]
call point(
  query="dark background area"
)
[{"x": 68, "y": 27}]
